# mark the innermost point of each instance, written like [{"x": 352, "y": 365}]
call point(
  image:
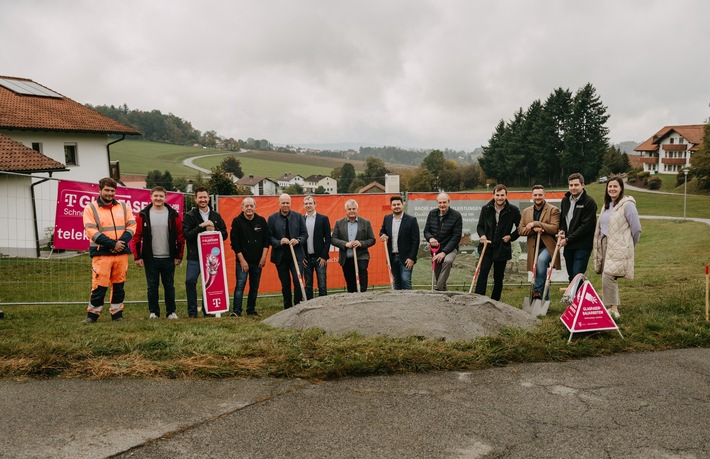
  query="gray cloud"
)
[{"x": 411, "y": 73}]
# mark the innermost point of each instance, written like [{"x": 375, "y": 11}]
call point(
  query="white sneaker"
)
[
  {"x": 152, "y": 316},
  {"x": 172, "y": 316}
]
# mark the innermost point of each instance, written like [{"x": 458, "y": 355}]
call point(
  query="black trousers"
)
[{"x": 349, "y": 273}]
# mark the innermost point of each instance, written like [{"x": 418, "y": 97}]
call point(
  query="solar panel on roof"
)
[{"x": 29, "y": 88}]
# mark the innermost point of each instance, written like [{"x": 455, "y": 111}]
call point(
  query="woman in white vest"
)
[{"x": 618, "y": 231}]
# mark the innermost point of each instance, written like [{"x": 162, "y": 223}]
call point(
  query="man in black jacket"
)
[
  {"x": 495, "y": 225},
  {"x": 287, "y": 228},
  {"x": 401, "y": 234},
  {"x": 196, "y": 221},
  {"x": 317, "y": 248},
  {"x": 250, "y": 241},
  {"x": 157, "y": 246},
  {"x": 578, "y": 219},
  {"x": 443, "y": 231}
]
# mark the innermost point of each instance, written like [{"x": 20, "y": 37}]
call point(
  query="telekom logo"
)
[{"x": 216, "y": 302}]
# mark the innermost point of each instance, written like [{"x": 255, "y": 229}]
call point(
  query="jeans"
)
[
  {"x": 311, "y": 265},
  {"x": 193, "y": 272},
  {"x": 402, "y": 275},
  {"x": 287, "y": 271},
  {"x": 254, "y": 275},
  {"x": 543, "y": 262},
  {"x": 498, "y": 274},
  {"x": 156, "y": 269},
  {"x": 576, "y": 261}
]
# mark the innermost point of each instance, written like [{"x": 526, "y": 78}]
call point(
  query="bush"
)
[
  {"x": 654, "y": 183},
  {"x": 642, "y": 178}
]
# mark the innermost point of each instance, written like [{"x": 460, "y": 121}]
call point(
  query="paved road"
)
[
  {"x": 651, "y": 405},
  {"x": 189, "y": 162}
]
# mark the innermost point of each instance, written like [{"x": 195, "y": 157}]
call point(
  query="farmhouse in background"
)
[
  {"x": 43, "y": 132},
  {"x": 329, "y": 184},
  {"x": 289, "y": 179},
  {"x": 259, "y": 186},
  {"x": 670, "y": 150}
]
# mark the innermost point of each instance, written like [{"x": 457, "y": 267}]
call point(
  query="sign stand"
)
[
  {"x": 586, "y": 312},
  {"x": 215, "y": 295}
]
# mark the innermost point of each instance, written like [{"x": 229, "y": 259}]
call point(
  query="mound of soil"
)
[{"x": 450, "y": 316}]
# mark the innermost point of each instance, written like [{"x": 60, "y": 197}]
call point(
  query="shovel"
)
[
  {"x": 527, "y": 301},
  {"x": 478, "y": 266},
  {"x": 389, "y": 266},
  {"x": 298, "y": 273},
  {"x": 540, "y": 306},
  {"x": 434, "y": 251},
  {"x": 357, "y": 270}
]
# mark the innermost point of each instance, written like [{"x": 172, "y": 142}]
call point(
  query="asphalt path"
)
[{"x": 648, "y": 405}]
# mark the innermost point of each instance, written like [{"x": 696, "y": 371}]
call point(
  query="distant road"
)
[{"x": 189, "y": 161}]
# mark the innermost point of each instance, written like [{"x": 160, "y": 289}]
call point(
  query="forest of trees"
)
[{"x": 548, "y": 141}]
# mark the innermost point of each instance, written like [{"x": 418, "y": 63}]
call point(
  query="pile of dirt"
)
[{"x": 450, "y": 316}]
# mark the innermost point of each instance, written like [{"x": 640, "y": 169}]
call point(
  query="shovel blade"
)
[
  {"x": 539, "y": 307},
  {"x": 527, "y": 307}
]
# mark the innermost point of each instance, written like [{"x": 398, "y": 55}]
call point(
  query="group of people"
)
[
  {"x": 300, "y": 243},
  {"x": 574, "y": 227}
]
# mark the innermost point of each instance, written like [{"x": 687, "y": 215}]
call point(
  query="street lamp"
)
[{"x": 685, "y": 190}]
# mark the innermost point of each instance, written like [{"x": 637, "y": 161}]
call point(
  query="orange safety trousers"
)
[{"x": 108, "y": 271}]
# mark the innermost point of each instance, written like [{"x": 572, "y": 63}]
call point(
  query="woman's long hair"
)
[{"x": 607, "y": 198}]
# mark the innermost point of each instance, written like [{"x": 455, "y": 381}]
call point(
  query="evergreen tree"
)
[
  {"x": 587, "y": 141},
  {"x": 701, "y": 160}
]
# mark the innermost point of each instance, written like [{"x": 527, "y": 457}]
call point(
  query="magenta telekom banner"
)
[
  {"x": 214, "y": 275},
  {"x": 72, "y": 197}
]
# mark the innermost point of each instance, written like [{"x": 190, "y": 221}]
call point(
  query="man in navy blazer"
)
[
  {"x": 287, "y": 228},
  {"x": 401, "y": 234},
  {"x": 351, "y": 232},
  {"x": 317, "y": 247}
]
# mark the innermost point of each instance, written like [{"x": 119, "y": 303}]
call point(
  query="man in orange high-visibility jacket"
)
[{"x": 109, "y": 225}]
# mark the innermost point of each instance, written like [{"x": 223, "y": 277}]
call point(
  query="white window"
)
[
  {"x": 37, "y": 146},
  {"x": 70, "y": 154}
]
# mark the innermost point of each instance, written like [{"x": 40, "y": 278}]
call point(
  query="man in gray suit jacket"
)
[
  {"x": 351, "y": 232},
  {"x": 287, "y": 228}
]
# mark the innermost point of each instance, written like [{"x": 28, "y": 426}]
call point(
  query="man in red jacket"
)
[{"x": 157, "y": 246}]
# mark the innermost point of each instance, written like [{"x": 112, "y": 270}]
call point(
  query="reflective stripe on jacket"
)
[{"x": 105, "y": 224}]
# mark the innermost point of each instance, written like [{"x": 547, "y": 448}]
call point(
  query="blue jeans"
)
[
  {"x": 543, "y": 262},
  {"x": 311, "y": 265},
  {"x": 191, "y": 276},
  {"x": 402, "y": 275},
  {"x": 156, "y": 269},
  {"x": 576, "y": 261},
  {"x": 254, "y": 275}
]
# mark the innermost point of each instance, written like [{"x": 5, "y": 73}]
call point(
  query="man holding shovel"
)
[
  {"x": 495, "y": 225},
  {"x": 288, "y": 234},
  {"x": 353, "y": 235},
  {"x": 443, "y": 231},
  {"x": 543, "y": 218}
]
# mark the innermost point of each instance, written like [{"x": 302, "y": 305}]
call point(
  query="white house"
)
[
  {"x": 314, "y": 181},
  {"x": 59, "y": 135},
  {"x": 289, "y": 179},
  {"x": 259, "y": 186},
  {"x": 670, "y": 150}
]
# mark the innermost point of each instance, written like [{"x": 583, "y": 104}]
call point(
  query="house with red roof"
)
[
  {"x": 45, "y": 136},
  {"x": 671, "y": 149}
]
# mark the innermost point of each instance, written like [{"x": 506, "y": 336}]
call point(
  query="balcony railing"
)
[
  {"x": 645, "y": 160},
  {"x": 673, "y": 160}
]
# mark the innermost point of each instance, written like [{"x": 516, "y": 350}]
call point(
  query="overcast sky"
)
[{"x": 410, "y": 73}]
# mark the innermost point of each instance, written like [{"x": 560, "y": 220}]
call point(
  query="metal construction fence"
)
[{"x": 34, "y": 271}]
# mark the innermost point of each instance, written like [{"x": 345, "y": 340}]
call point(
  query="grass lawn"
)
[{"x": 662, "y": 308}]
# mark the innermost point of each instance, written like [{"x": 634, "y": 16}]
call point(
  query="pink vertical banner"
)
[{"x": 215, "y": 293}]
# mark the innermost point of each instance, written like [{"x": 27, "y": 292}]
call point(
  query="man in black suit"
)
[
  {"x": 351, "y": 232},
  {"x": 317, "y": 248},
  {"x": 401, "y": 234},
  {"x": 287, "y": 228}
]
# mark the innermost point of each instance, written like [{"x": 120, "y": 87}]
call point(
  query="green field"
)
[{"x": 138, "y": 157}]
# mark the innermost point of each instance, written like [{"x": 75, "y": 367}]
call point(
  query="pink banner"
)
[
  {"x": 72, "y": 197},
  {"x": 214, "y": 275}
]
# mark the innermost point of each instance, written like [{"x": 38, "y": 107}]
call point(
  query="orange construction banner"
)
[{"x": 373, "y": 207}]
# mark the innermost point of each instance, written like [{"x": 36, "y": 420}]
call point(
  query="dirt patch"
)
[{"x": 450, "y": 316}]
